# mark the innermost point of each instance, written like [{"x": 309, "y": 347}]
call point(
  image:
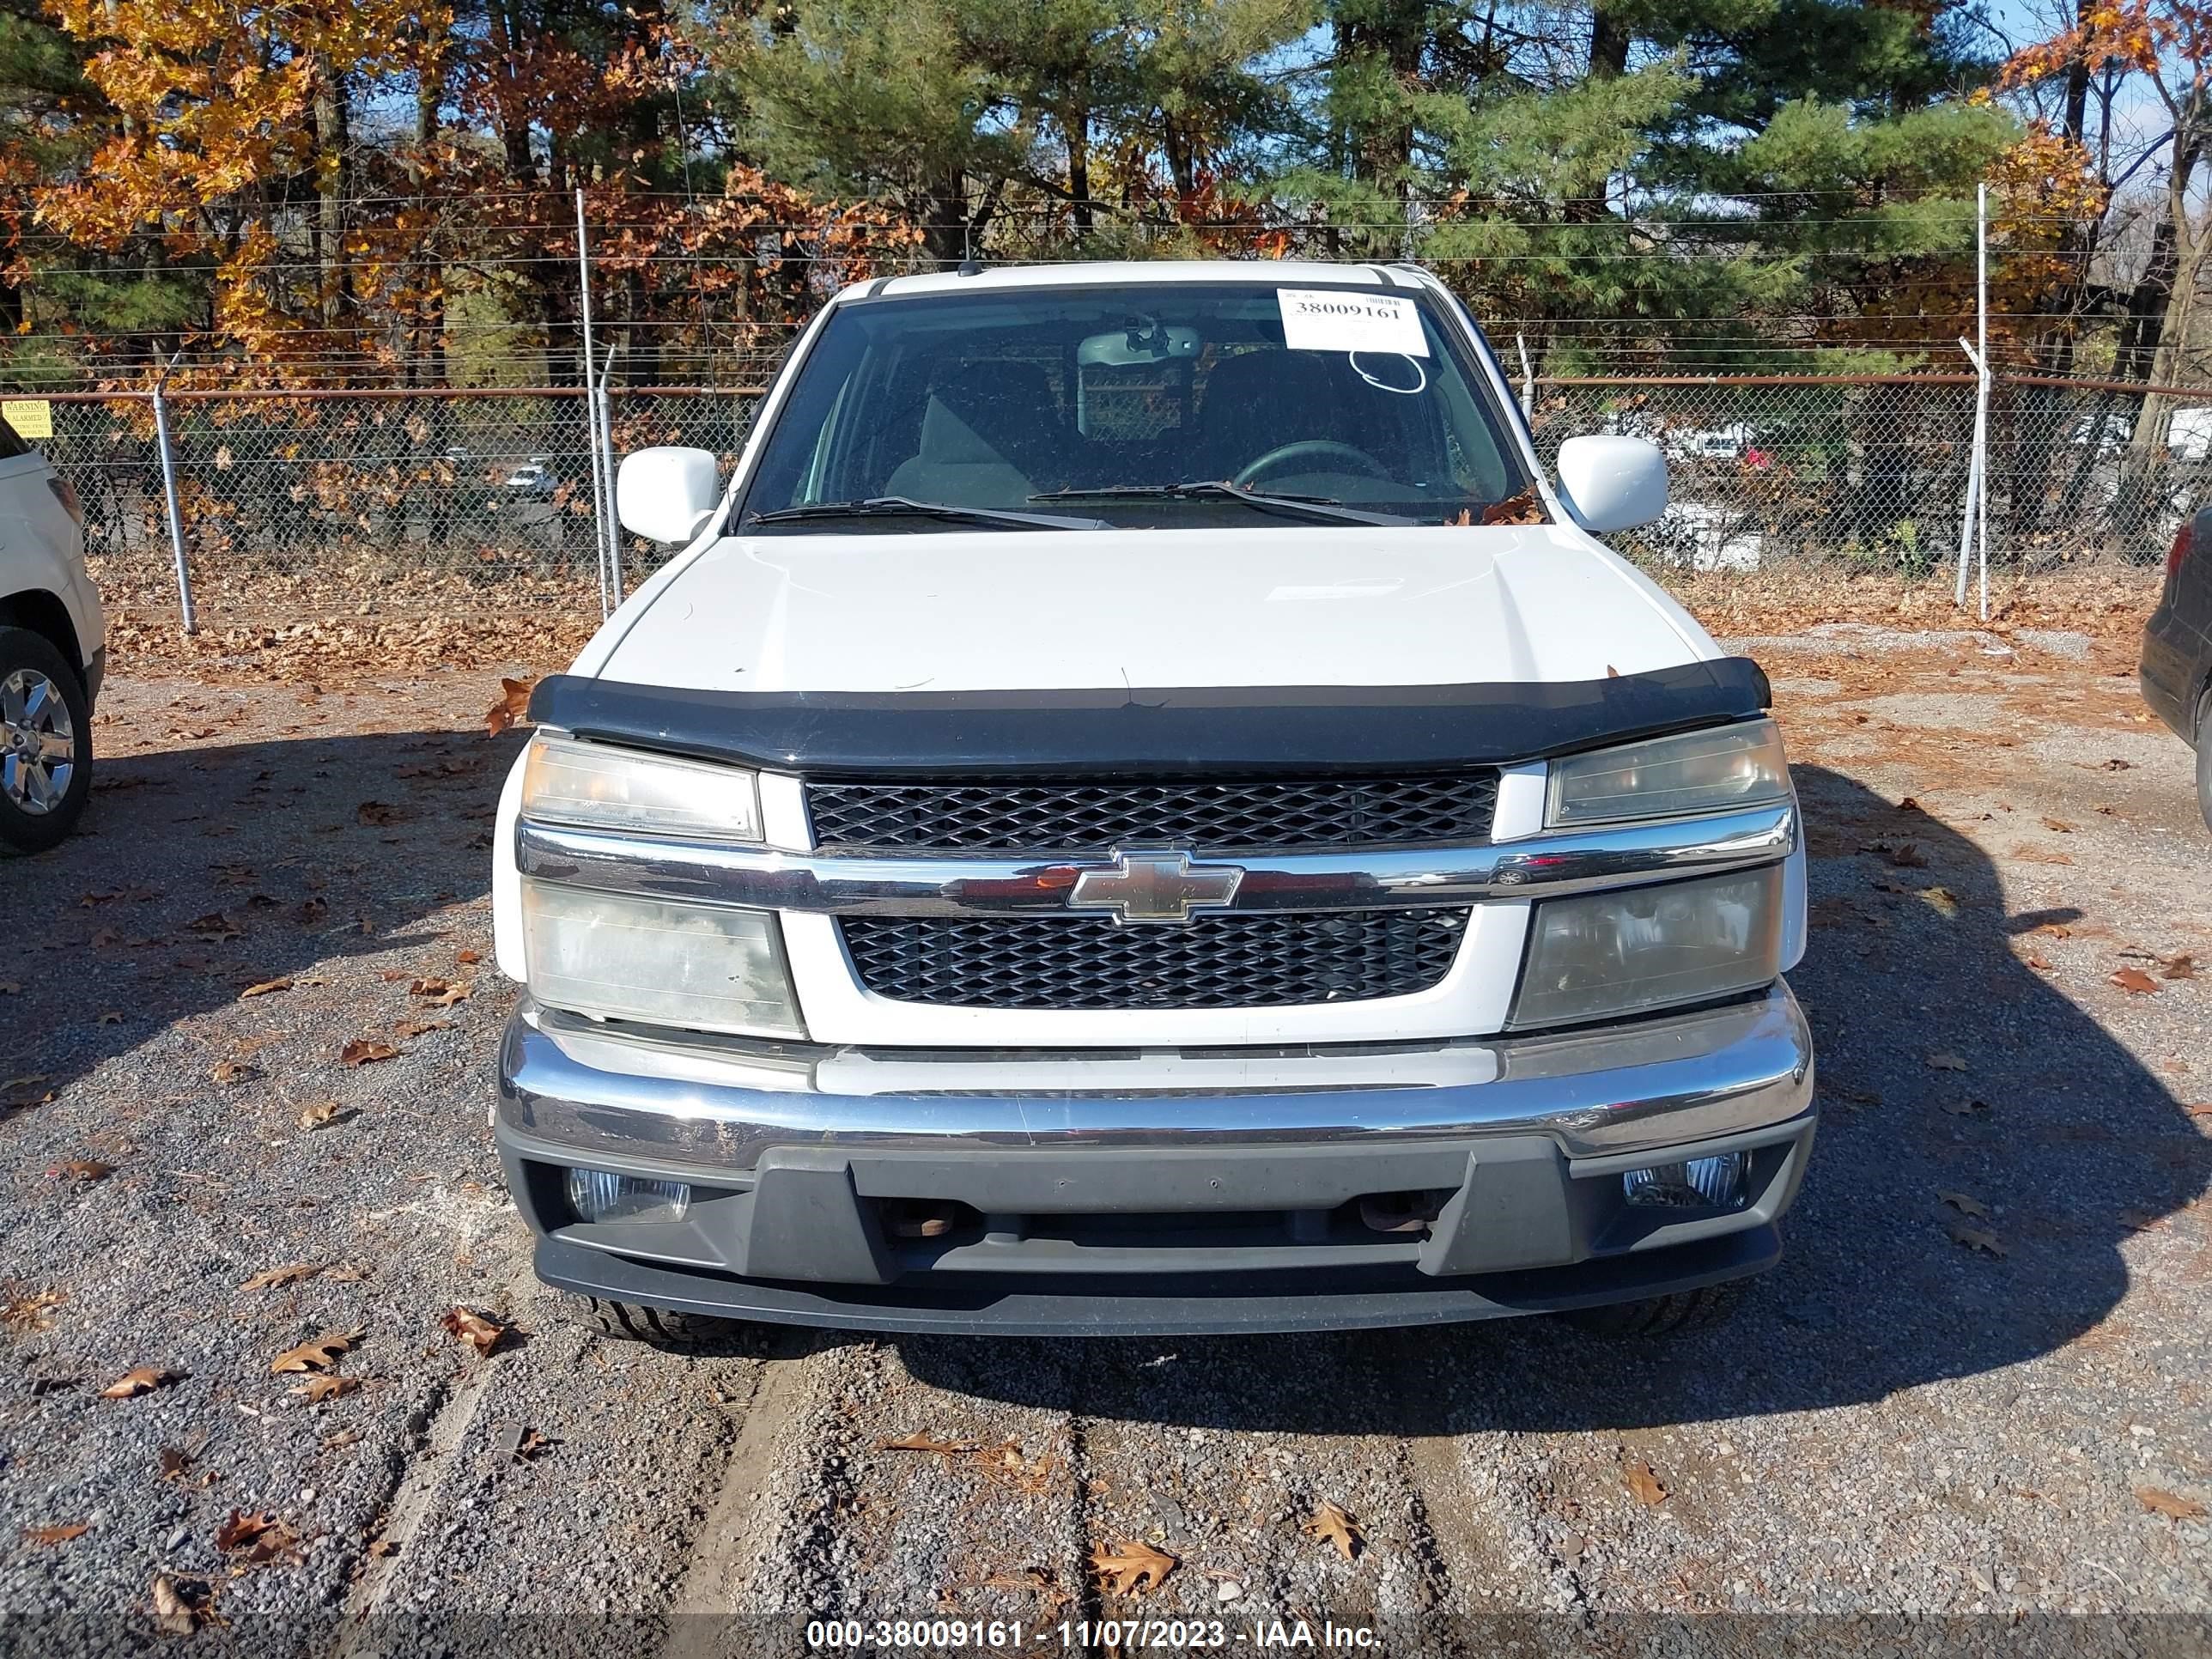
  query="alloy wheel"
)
[{"x": 38, "y": 742}]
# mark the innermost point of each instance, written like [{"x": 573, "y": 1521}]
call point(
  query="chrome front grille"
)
[
  {"x": 1084, "y": 817},
  {"x": 1214, "y": 961}
]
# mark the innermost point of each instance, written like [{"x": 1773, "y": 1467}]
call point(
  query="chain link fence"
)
[
  {"x": 1768, "y": 473},
  {"x": 321, "y": 504}
]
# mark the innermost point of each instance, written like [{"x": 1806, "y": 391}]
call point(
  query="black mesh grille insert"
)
[
  {"x": 1211, "y": 962},
  {"x": 1091, "y": 815}
]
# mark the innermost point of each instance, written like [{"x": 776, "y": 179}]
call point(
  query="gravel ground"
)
[{"x": 1992, "y": 1403}]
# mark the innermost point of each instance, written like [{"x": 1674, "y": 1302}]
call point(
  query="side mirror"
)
[
  {"x": 1611, "y": 483},
  {"x": 666, "y": 494}
]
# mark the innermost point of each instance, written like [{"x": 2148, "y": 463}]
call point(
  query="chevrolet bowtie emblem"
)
[{"x": 1149, "y": 886}]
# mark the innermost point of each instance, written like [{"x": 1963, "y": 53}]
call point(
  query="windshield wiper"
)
[
  {"x": 883, "y": 507},
  {"x": 1324, "y": 508}
]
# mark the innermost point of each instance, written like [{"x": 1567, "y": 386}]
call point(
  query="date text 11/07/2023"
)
[{"x": 1012, "y": 1635}]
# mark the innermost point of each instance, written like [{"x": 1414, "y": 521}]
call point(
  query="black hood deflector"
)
[{"x": 1251, "y": 730}]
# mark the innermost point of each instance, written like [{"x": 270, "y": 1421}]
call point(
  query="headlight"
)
[
  {"x": 1642, "y": 948},
  {"x": 703, "y": 967},
  {"x": 1717, "y": 770},
  {"x": 599, "y": 786}
]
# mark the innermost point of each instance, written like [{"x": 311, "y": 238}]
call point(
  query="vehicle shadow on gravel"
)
[
  {"x": 203, "y": 870},
  {"x": 2051, "y": 1124}
]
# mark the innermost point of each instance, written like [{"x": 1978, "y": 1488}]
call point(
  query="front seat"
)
[{"x": 990, "y": 436}]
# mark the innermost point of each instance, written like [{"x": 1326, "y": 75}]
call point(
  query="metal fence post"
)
[
  {"x": 1527, "y": 378},
  {"x": 600, "y": 502},
  {"x": 1975, "y": 516},
  {"x": 610, "y": 533},
  {"x": 169, "y": 499}
]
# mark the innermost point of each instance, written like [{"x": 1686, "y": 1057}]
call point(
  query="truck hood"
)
[{"x": 1275, "y": 606}]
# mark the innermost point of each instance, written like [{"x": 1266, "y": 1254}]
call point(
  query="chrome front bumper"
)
[
  {"x": 1181, "y": 1192},
  {"x": 598, "y": 1091}
]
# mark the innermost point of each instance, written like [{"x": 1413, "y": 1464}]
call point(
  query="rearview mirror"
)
[
  {"x": 666, "y": 494},
  {"x": 1612, "y": 482}
]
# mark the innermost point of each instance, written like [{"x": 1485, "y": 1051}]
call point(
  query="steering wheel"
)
[{"x": 1308, "y": 449}]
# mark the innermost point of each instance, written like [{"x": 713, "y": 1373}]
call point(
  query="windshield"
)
[{"x": 1110, "y": 403}]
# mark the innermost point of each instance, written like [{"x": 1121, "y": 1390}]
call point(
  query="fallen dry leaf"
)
[
  {"x": 328, "y": 1387},
  {"x": 512, "y": 704},
  {"x": 366, "y": 1051},
  {"x": 468, "y": 958},
  {"x": 1130, "y": 1567},
  {"x": 1523, "y": 508},
  {"x": 83, "y": 1169},
  {"x": 228, "y": 1072},
  {"x": 266, "y": 988},
  {"x": 57, "y": 1534},
  {"x": 2135, "y": 980},
  {"x": 468, "y": 1326},
  {"x": 180, "y": 1604},
  {"x": 1038, "y": 1581},
  {"x": 215, "y": 925},
  {"x": 1647, "y": 1488},
  {"x": 1329, "y": 1523},
  {"x": 1944, "y": 1060},
  {"x": 242, "y": 1528},
  {"x": 140, "y": 1379},
  {"x": 1905, "y": 855},
  {"x": 2035, "y": 959},
  {"x": 32, "y": 1312},
  {"x": 2183, "y": 967},
  {"x": 1977, "y": 1238},
  {"x": 259, "y": 1538},
  {"x": 921, "y": 1441},
  {"x": 2159, "y": 1501},
  {"x": 1966, "y": 1108},
  {"x": 270, "y": 1278},
  {"x": 1941, "y": 900},
  {"x": 318, "y": 1354},
  {"x": 1965, "y": 1205},
  {"x": 316, "y": 1113},
  {"x": 175, "y": 1461},
  {"x": 380, "y": 812},
  {"x": 2059, "y": 825}
]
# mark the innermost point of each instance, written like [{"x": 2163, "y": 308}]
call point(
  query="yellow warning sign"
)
[{"x": 31, "y": 417}]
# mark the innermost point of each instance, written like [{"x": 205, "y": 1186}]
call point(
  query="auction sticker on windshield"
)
[{"x": 1331, "y": 319}]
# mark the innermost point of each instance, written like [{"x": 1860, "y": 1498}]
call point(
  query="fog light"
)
[
  {"x": 1702, "y": 1183},
  {"x": 597, "y": 1195}
]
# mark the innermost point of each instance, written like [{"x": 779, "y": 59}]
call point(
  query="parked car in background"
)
[
  {"x": 530, "y": 481},
  {"x": 1145, "y": 810},
  {"x": 2176, "y": 647},
  {"x": 53, "y": 647}
]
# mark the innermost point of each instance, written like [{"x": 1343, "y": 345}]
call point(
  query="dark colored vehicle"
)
[{"x": 2177, "y": 649}]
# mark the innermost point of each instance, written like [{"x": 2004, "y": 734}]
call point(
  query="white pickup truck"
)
[{"x": 1141, "y": 808}]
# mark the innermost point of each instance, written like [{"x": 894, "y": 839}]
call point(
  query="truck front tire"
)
[
  {"x": 1661, "y": 1315},
  {"x": 657, "y": 1328}
]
